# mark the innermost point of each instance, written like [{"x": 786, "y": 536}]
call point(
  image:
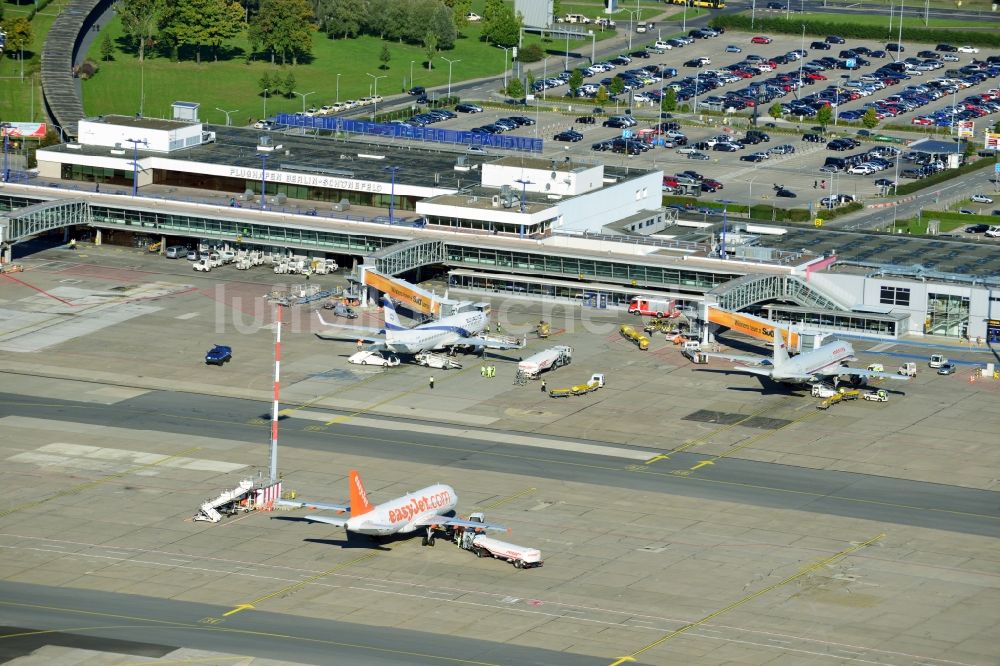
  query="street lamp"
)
[
  {"x": 450, "y": 63},
  {"x": 227, "y": 114},
  {"x": 303, "y": 96},
  {"x": 135, "y": 163},
  {"x": 62, "y": 134},
  {"x": 411, "y": 74},
  {"x": 338, "y": 88},
  {"x": 375, "y": 94},
  {"x": 265, "y": 103},
  {"x": 505, "y": 49},
  {"x": 750, "y": 193},
  {"x": 633, "y": 15},
  {"x": 392, "y": 192}
]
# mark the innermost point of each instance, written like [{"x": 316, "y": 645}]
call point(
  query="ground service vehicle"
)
[
  {"x": 908, "y": 370},
  {"x": 653, "y": 307},
  {"x": 877, "y": 396},
  {"x": 439, "y": 361},
  {"x": 341, "y": 310},
  {"x": 483, "y": 546},
  {"x": 218, "y": 355},
  {"x": 937, "y": 360},
  {"x": 547, "y": 359},
  {"x": 372, "y": 358},
  {"x": 635, "y": 336},
  {"x": 596, "y": 382}
]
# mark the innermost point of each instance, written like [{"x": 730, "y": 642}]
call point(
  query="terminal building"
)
[{"x": 511, "y": 225}]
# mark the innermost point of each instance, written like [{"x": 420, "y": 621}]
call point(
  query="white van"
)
[
  {"x": 993, "y": 232},
  {"x": 176, "y": 252}
]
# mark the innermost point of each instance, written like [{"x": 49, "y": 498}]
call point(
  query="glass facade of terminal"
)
[
  {"x": 861, "y": 322},
  {"x": 92, "y": 174}
]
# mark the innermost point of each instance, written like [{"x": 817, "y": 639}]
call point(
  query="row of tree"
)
[
  {"x": 281, "y": 28},
  {"x": 409, "y": 21}
]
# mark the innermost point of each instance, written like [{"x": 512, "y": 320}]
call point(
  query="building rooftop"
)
[{"x": 143, "y": 123}]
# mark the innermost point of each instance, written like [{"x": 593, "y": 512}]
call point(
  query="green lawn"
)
[
  {"x": 870, "y": 19},
  {"x": 15, "y": 94},
  {"x": 233, "y": 84},
  {"x": 919, "y": 227},
  {"x": 966, "y": 5}
]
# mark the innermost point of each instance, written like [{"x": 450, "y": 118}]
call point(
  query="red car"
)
[
  {"x": 742, "y": 74},
  {"x": 815, "y": 76},
  {"x": 760, "y": 39}
]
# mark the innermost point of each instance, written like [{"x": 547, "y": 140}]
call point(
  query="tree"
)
[
  {"x": 515, "y": 89},
  {"x": 617, "y": 86},
  {"x": 669, "y": 102},
  {"x": 824, "y": 116},
  {"x": 556, "y": 8},
  {"x": 290, "y": 83},
  {"x": 500, "y": 25},
  {"x": 530, "y": 77},
  {"x": 870, "y": 119},
  {"x": 430, "y": 48},
  {"x": 602, "y": 95},
  {"x": 201, "y": 23},
  {"x": 107, "y": 48},
  {"x": 141, "y": 20},
  {"x": 19, "y": 34},
  {"x": 575, "y": 81},
  {"x": 531, "y": 53},
  {"x": 340, "y": 17},
  {"x": 385, "y": 57},
  {"x": 440, "y": 21},
  {"x": 266, "y": 83},
  {"x": 774, "y": 111},
  {"x": 996, "y": 127},
  {"x": 283, "y": 27},
  {"x": 459, "y": 9}
]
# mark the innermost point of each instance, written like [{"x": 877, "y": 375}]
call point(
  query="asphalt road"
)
[
  {"x": 883, "y": 499},
  {"x": 118, "y": 620}
]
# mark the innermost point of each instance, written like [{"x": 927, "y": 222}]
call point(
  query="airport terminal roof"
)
[{"x": 140, "y": 122}]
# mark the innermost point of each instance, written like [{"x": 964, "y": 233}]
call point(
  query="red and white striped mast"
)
[{"x": 277, "y": 384}]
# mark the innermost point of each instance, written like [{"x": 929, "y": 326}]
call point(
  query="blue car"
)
[{"x": 218, "y": 355}]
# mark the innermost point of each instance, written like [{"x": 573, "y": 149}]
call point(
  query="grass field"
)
[
  {"x": 919, "y": 227},
  {"x": 966, "y": 5},
  {"x": 869, "y": 19},
  {"x": 233, "y": 84},
  {"x": 16, "y": 94}
]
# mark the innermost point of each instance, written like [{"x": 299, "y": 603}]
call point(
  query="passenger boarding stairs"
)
[{"x": 209, "y": 511}]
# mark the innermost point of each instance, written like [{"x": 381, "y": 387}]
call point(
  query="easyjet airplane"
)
[{"x": 424, "y": 509}]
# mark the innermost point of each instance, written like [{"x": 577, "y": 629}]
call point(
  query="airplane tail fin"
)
[
  {"x": 780, "y": 348},
  {"x": 359, "y": 498},
  {"x": 391, "y": 318}
]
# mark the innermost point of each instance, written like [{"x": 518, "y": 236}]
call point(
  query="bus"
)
[{"x": 706, "y": 4}]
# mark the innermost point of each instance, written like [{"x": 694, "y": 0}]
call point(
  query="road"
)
[
  {"x": 878, "y": 498},
  {"x": 77, "y": 616}
]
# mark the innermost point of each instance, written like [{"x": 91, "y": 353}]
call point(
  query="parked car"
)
[
  {"x": 568, "y": 135},
  {"x": 585, "y": 120},
  {"x": 732, "y": 48},
  {"x": 967, "y": 49},
  {"x": 980, "y": 198},
  {"x": 946, "y": 369},
  {"x": 760, "y": 39},
  {"x": 468, "y": 108},
  {"x": 977, "y": 228}
]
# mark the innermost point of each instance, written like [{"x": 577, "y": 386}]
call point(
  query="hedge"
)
[
  {"x": 943, "y": 176},
  {"x": 853, "y": 30},
  {"x": 761, "y": 212}
]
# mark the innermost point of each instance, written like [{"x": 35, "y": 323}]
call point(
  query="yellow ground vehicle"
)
[
  {"x": 842, "y": 394},
  {"x": 635, "y": 336},
  {"x": 596, "y": 382},
  {"x": 542, "y": 329}
]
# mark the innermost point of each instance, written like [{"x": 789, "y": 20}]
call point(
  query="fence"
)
[{"x": 401, "y": 131}]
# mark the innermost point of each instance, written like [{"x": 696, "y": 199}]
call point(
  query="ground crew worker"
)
[
  {"x": 543, "y": 386},
  {"x": 432, "y": 382},
  {"x": 360, "y": 343},
  {"x": 72, "y": 244},
  {"x": 498, "y": 327},
  {"x": 482, "y": 370}
]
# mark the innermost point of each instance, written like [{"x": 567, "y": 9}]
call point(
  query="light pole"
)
[
  {"x": 62, "y": 134},
  {"x": 505, "y": 49},
  {"x": 450, "y": 63},
  {"x": 750, "y": 193},
  {"x": 411, "y": 74},
  {"x": 375, "y": 95},
  {"x": 392, "y": 192},
  {"x": 227, "y": 114},
  {"x": 135, "y": 163},
  {"x": 753, "y": 13},
  {"x": 684, "y": 18},
  {"x": 303, "y": 96},
  {"x": 899, "y": 40},
  {"x": 263, "y": 182},
  {"x": 566, "y": 56},
  {"x": 338, "y": 88},
  {"x": 802, "y": 47},
  {"x": 545, "y": 75},
  {"x": 265, "y": 103},
  {"x": 633, "y": 15}
]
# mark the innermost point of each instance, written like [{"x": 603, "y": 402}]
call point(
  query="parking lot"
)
[{"x": 747, "y": 181}]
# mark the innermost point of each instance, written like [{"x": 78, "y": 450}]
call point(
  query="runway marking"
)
[
  {"x": 294, "y": 586},
  {"x": 93, "y": 484},
  {"x": 815, "y": 566},
  {"x": 461, "y": 592},
  {"x": 510, "y": 498},
  {"x": 189, "y": 660},
  {"x": 231, "y": 630},
  {"x": 756, "y": 438}
]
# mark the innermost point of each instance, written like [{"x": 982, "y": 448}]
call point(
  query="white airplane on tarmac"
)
[
  {"x": 424, "y": 509},
  {"x": 464, "y": 328},
  {"x": 811, "y": 366}
]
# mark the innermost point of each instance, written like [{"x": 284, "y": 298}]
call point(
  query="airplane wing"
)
[
  {"x": 861, "y": 372},
  {"x": 753, "y": 361},
  {"x": 459, "y": 522},
  {"x": 329, "y": 520},
  {"x": 295, "y": 504},
  {"x": 348, "y": 333}
]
